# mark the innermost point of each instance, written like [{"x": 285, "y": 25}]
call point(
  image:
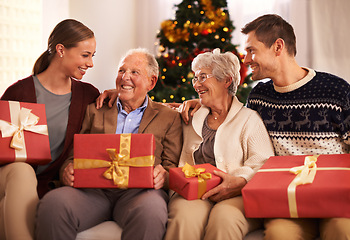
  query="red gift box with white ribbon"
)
[
  {"x": 300, "y": 187},
  {"x": 24, "y": 135}
]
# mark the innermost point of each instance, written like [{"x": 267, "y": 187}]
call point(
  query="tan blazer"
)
[{"x": 164, "y": 123}]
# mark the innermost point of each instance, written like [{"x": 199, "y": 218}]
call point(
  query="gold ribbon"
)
[
  {"x": 118, "y": 167},
  {"x": 191, "y": 171},
  {"x": 21, "y": 119}
]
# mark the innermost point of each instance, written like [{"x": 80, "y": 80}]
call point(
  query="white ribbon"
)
[
  {"x": 305, "y": 175},
  {"x": 21, "y": 119}
]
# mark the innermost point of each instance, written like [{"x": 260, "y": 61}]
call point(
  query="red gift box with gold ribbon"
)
[
  {"x": 113, "y": 160},
  {"x": 300, "y": 187},
  {"x": 192, "y": 182},
  {"x": 24, "y": 135}
]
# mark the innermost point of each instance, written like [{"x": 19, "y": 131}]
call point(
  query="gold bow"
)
[
  {"x": 191, "y": 171},
  {"x": 21, "y": 119},
  {"x": 118, "y": 167},
  {"x": 305, "y": 175},
  {"x": 119, "y": 174}
]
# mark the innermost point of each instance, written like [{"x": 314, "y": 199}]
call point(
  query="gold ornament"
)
[{"x": 217, "y": 17}]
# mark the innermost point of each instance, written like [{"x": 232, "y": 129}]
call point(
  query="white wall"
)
[
  {"x": 120, "y": 25},
  {"x": 53, "y": 12},
  {"x": 113, "y": 22}
]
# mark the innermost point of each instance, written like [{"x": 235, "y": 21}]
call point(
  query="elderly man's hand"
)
[
  {"x": 230, "y": 187},
  {"x": 112, "y": 94},
  {"x": 159, "y": 176},
  {"x": 68, "y": 175}
]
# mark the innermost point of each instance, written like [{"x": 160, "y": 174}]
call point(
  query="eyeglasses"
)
[{"x": 201, "y": 78}]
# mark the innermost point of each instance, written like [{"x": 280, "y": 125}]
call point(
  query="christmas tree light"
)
[{"x": 199, "y": 26}]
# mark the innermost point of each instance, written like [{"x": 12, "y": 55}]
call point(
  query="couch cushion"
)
[{"x": 108, "y": 230}]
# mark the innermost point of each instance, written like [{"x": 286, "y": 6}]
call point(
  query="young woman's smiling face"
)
[{"x": 78, "y": 59}]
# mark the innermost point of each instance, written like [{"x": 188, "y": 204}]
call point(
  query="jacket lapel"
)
[
  {"x": 150, "y": 112},
  {"x": 110, "y": 118}
]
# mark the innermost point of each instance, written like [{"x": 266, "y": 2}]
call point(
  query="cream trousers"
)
[
  {"x": 18, "y": 201},
  {"x": 202, "y": 219},
  {"x": 307, "y": 229}
]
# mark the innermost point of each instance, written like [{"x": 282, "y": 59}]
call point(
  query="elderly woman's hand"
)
[
  {"x": 174, "y": 106},
  {"x": 230, "y": 187}
]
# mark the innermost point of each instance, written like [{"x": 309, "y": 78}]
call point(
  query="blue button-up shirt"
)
[{"x": 129, "y": 122}]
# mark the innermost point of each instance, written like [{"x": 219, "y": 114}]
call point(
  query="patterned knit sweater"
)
[{"x": 311, "y": 116}]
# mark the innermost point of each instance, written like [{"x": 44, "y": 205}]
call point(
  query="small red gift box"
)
[
  {"x": 314, "y": 189},
  {"x": 192, "y": 182},
  {"x": 113, "y": 160},
  {"x": 24, "y": 134}
]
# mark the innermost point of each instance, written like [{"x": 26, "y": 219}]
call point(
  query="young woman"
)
[{"x": 55, "y": 83}]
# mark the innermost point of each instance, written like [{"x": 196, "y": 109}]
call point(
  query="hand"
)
[
  {"x": 68, "y": 175},
  {"x": 230, "y": 187},
  {"x": 174, "y": 106},
  {"x": 186, "y": 106},
  {"x": 112, "y": 94},
  {"x": 159, "y": 176}
]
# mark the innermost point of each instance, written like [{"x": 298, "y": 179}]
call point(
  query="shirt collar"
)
[
  {"x": 141, "y": 108},
  {"x": 311, "y": 73}
]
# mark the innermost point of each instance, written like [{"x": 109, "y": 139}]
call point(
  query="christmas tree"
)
[{"x": 199, "y": 26}]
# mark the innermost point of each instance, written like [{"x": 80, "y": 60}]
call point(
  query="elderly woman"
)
[{"x": 227, "y": 135}]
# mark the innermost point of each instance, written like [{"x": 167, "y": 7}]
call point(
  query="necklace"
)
[{"x": 215, "y": 118}]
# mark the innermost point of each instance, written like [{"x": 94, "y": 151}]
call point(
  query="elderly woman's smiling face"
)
[{"x": 209, "y": 89}]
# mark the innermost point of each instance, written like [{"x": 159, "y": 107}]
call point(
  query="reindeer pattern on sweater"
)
[{"x": 310, "y": 117}]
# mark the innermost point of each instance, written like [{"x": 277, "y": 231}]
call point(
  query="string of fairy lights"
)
[{"x": 176, "y": 34}]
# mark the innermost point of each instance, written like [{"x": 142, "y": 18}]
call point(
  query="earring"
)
[{"x": 61, "y": 55}]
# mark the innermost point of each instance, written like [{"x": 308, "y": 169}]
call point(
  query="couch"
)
[{"x": 109, "y": 230}]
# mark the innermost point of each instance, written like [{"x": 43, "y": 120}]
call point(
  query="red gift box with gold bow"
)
[
  {"x": 300, "y": 187},
  {"x": 24, "y": 135},
  {"x": 113, "y": 160},
  {"x": 192, "y": 182}
]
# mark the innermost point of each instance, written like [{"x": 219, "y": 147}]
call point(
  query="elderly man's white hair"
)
[{"x": 153, "y": 67}]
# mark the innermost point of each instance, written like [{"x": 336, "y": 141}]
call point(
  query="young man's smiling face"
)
[{"x": 261, "y": 59}]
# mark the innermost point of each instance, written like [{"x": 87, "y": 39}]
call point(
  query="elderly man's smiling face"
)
[{"x": 134, "y": 80}]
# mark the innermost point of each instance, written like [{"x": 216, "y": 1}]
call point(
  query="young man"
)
[
  {"x": 304, "y": 111},
  {"x": 142, "y": 213}
]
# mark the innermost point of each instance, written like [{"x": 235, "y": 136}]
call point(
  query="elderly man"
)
[{"x": 142, "y": 213}]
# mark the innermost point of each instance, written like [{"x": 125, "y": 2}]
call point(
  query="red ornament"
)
[
  {"x": 205, "y": 32},
  {"x": 243, "y": 73}
]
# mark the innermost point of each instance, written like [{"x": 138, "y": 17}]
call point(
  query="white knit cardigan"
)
[{"x": 242, "y": 143}]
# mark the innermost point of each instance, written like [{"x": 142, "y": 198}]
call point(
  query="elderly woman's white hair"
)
[{"x": 223, "y": 66}]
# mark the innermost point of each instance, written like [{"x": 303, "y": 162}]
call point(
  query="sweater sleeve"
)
[{"x": 258, "y": 147}]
